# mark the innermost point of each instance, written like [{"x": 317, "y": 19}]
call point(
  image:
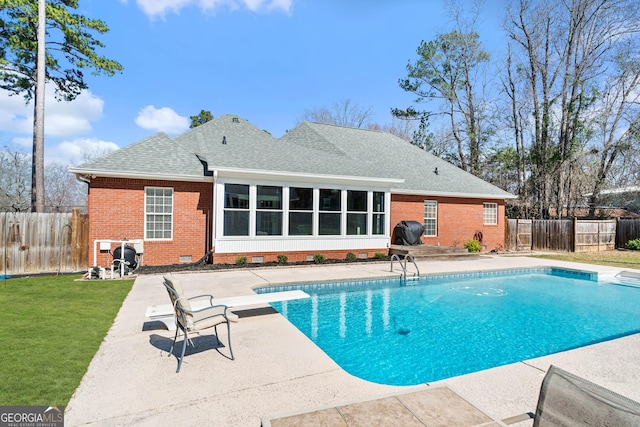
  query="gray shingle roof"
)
[
  {"x": 231, "y": 142},
  {"x": 156, "y": 155}
]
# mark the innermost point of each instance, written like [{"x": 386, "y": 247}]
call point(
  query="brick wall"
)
[
  {"x": 116, "y": 211},
  {"x": 458, "y": 219}
]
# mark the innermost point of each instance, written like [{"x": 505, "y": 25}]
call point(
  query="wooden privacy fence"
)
[
  {"x": 564, "y": 235},
  {"x": 627, "y": 229},
  {"x": 43, "y": 242}
]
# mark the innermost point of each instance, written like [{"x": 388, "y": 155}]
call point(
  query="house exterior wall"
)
[
  {"x": 458, "y": 219},
  {"x": 116, "y": 211}
]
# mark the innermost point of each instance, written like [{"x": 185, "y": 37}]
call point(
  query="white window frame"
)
[
  {"x": 280, "y": 211},
  {"x": 170, "y": 214},
  {"x": 317, "y": 210},
  {"x": 433, "y": 203},
  {"x": 372, "y": 212},
  {"x": 288, "y": 211},
  {"x": 367, "y": 213},
  {"x": 490, "y": 213}
]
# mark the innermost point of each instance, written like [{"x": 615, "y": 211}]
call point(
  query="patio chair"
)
[
  {"x": 188, "y": 320},
  {"x": 568, "y": 400}
]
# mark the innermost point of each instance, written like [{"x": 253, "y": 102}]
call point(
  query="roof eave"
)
[
  {"x": 93, "y": 173},
  {"x": 453, "y": 194}
]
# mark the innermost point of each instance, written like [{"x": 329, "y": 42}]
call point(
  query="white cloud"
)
[
  {"x": 78, "y": 151},
  {"x": 15, "y": 115},
  {"x": 25, "y": 142},
  {"x": 62, "y": 118},
  {"x": 162, "y": 119},
  {"x": 159, "y": 8}
]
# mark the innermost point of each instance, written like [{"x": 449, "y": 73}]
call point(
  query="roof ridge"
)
[
  {"x": 334, "y": 147},
  {"x": 345, "y": 126}
]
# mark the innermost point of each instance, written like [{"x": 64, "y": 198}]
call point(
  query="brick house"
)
[{"x": 231, "y": 188}]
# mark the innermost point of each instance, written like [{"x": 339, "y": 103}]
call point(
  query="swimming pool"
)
[{"x": 398, "y": 332}]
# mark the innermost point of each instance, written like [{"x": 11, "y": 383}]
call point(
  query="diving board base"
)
[{"x": 164, "y": 313}]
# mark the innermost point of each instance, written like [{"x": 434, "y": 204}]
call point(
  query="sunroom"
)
[{"x": 255, "y": 213}]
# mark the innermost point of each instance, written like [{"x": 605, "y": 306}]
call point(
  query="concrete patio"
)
[{"x": 278, "y": 370}]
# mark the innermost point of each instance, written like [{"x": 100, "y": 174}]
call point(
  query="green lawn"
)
[
  {"x": 623, "y": 259},
  {"x": 51, "y": 328}
]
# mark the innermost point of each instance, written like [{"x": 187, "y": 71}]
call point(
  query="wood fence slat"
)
[
  {"x": 569, "y": 235},
  {"x": 43, "y": 242}
]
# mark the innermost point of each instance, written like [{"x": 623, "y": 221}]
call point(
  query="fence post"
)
[
  {"x": 75, "y": 227},
  {"x": 575, "y": 233},
  {"x": 506, "y": 234}
]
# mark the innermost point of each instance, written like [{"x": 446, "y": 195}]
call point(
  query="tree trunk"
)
[{"x": 37, "y": 168}]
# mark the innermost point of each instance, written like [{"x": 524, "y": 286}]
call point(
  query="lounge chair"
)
[
  {"x": 188, "y": 320},
  {"x": 568, "y": 400}
]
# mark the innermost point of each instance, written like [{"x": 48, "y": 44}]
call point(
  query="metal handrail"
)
[
  {"x": 404, "y": 266},
  {"x": 413, "y": 260}
]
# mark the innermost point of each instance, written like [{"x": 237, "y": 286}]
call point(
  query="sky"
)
[{"x": 267, "y": 61}]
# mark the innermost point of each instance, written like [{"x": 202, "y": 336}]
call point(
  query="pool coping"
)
[
  {"x": 131, "y": 381},
  {"x": 479, "y": 274}
]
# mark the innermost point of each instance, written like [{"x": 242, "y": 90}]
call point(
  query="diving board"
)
[{"x": 164, "y": 313}]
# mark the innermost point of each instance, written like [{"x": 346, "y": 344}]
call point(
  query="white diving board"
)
[{"x": 164, "y": 313}]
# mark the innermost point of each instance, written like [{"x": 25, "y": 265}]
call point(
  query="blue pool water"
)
[{"x": 406, "y": 333}]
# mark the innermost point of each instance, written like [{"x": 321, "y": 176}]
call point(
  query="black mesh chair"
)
[{"x": 568, "y": 400}]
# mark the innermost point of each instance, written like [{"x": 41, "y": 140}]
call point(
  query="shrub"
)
[
  {"x": 318, "y": 258},
  {"x": 633, "y": 244},
  {"x": 283, "y": 259},
  {"x": 351, "y": 256},
  {"x": 379, "y": 255},
  {"x": 472, "y": 245},
  {"x": 241, "y": 260}
]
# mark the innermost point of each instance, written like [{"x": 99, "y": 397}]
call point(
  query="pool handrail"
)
[{"x": 404, "y": 266}]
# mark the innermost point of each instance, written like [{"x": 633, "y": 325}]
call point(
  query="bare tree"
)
[
  {"x": 515, "y": 118},
  {"x": 15, "y": 180},
  {"x": 566, "y": 49},
  {"x": 343, "y": 113},
  {"x": 63, "y": 189},
  {"x": 617, "y": 119}
]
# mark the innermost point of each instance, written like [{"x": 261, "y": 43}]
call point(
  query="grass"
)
[
  {"x": 51, "y": 328},
  {"x": 618, "y": 258}
]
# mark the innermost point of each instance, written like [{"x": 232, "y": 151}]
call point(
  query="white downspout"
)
[{"x": 214, "y": 212}]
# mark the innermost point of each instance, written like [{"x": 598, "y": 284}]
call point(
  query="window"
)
[
  {"x": 253, "y": 210},
  {"x": 490, "y": 213},
  {"x": 236, "y": 210},
  {"x": 268, "y": 210},
  {"x": 300, "y": 211},
  {"x": 330, "y": 212},
  {"x": 158, "y": 208},
  {"x": 430, "y": 218},
  {"x": 356, "y": 212},
  {"x": 378, "y": 213}
]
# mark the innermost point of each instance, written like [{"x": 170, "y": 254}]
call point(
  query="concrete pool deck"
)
[{"x": 132, "y": 380}]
